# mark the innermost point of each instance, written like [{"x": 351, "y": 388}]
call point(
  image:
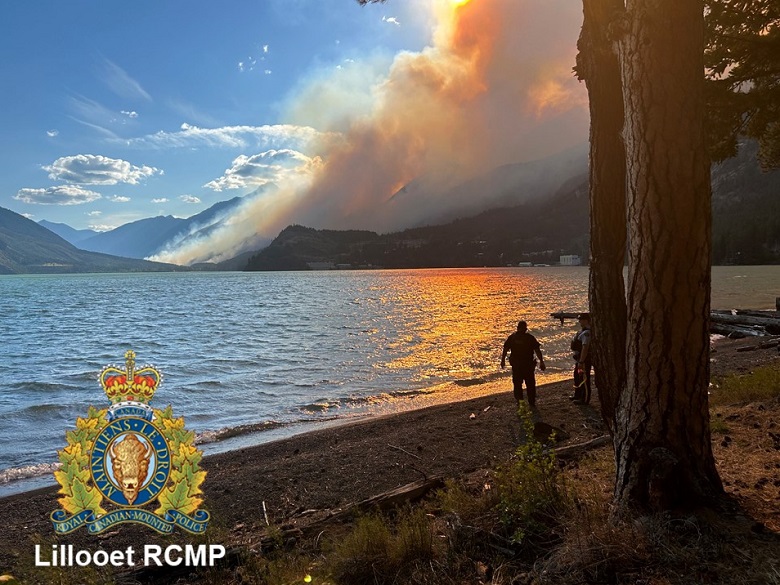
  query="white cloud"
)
[
  {"x": 94, "y": 213},
  {"x": 130, "y": 113},
  {"x": 28, "y": 215},
  {"x": 59, "y": 195},
  {"x": 391, "y": 20},
  {"x": 101, "y": 227},
  {"x": 271, "y": 166},
  {"x": 268, "y": 72},
  {"x": 189, "y": 199},
  {"x": 268, "y": 136},
  {"x": 160, "y": 200},
  {"x": 90, "y": 169},
  {"x": 265, "y": 48},
  {"x": 119, "y": 199},
  {"x": 121, "y": 83},
  {"x": 52, "y": 133}
]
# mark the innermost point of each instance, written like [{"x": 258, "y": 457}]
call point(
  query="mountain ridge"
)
[
  {"x": 29, "y": 248},
  {"x": 746, "y": 230}
]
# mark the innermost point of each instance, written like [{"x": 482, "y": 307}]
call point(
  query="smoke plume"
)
[{"x": 494, "y": 87}]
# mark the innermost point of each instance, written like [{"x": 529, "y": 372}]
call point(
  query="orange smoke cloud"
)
[
  {"x": 495, "y": 87},
  {"x": 483, "y": 95}
]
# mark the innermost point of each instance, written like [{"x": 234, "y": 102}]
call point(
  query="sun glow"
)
[{"x": 458, "y": 3}]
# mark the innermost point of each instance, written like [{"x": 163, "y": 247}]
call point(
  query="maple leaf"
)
[
  {"x": 82, "y": 497},
  {"x": 188, "y": 453},
  {"x": 66, "y": 475},
  {"x": 177, "y": 498},
  {"x": 167, "y": 413},
  {"x": 74, "y": 454},
  {"x": 86, "y": 423}
]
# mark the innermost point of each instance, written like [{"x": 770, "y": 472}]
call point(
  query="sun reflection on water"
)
[{"x": 452, "y": 324}]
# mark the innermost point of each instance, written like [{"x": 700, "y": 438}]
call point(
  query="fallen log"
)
[
  {"x": 573, "y": 450},
  {"x": 763, "y": 345},
  {"x": 742, "y": 319},
  {"x": 410, "y": 492},
  {"x": 233, "y": 555},
  {"x": 769, "y": 344},
  {"x": 735, "y": 324},
  {"x": 735, "y": 331},
  {"x": 752, "y": 313}
]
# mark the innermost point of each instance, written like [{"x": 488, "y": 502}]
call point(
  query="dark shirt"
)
[{"x": 522, "y": 346}]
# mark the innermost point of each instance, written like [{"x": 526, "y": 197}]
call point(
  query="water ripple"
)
[{"x": 238, "y": 350}]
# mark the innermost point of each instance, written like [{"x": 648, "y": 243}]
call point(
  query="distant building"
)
[
  {"x": 525, "y": 264},
  {"x": 571, "y": 260},
  {"x": 321, "y": 265}
]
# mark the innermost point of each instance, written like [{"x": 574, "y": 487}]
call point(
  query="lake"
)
[{"x": 248, "y": 357}]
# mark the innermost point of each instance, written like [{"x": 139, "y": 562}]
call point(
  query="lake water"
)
[{"x": 261, "y": 355}]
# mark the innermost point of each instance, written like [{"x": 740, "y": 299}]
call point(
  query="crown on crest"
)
[{"x": 130, "y": 384}]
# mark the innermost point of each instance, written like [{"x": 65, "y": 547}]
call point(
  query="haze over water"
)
[{"x": 267, "y": 352}]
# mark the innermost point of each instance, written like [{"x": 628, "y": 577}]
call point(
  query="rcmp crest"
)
[{"x": 130, "y": 463}]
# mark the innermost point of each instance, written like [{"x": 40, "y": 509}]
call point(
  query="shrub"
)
[
  {"x": 375, "y": 551},
  {"x": 531, "y": 491},
  {"x": 762, "y": 384}
]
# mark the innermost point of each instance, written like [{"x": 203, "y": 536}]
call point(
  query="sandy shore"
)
[{"x": 333, "y": 467}]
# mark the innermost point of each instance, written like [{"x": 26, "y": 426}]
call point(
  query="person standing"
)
[
  {"x": 522, "y": 346},
  {"x": 583, "y": 355}
]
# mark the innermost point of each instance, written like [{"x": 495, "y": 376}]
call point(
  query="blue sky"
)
[
  {"x": 113, "y": 112},
  {"x": 316, "y": 112}
]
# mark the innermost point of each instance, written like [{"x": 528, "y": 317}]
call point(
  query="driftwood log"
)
[
  {"x": 735, "y": 324},
  {"x": 746, "y": 319},
  {"x": 763, "y": 345},
  {"x": 570, "y": 451}
]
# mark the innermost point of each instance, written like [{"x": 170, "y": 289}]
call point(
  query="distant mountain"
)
[
  {"x": 503, "y": 186},
  {"x": 746, "y": 230},
  {"x": 68, "y": 233},
  {"x": 147, "y": 237},
  {"x": 137, "y": 239},
  {"x": 540, "y": 231},
  {"x": 26, "y": 247}
]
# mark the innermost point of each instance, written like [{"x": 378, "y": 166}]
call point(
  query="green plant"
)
[
  {"x": 718, "y": 426},
  {"x": 531, "y": 490},
  {"x": 378, "y": 550},
  {"x": 468, "y": 506},
  {"x": 761, "y": 384}
]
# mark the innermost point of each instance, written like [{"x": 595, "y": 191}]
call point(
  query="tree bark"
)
[
  {"x": 662, "y": 438},
  {"x": 598, "y": 66}
]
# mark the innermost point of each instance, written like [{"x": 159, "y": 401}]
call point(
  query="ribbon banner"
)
[{"x": 195, "y": 524}]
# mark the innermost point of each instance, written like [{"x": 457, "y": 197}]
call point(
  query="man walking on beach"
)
[{"x": 523, "y": 346}]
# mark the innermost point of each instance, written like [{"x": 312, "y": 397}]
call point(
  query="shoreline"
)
[
  {"x": 312, "y": 474},
  {"x": 440, "y": 394},
  {"x": 399, "y": 402},
  {"x": 321, "y": 469},
  {"x": 446, "y": 393}
]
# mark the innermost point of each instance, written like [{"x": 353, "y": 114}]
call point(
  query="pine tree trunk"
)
[
  {"x": 597, "y": 64},
  {"x": 662, "y": 438}
]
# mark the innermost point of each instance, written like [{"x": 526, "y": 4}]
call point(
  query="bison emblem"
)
[{"x": 130, "y": 464}]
